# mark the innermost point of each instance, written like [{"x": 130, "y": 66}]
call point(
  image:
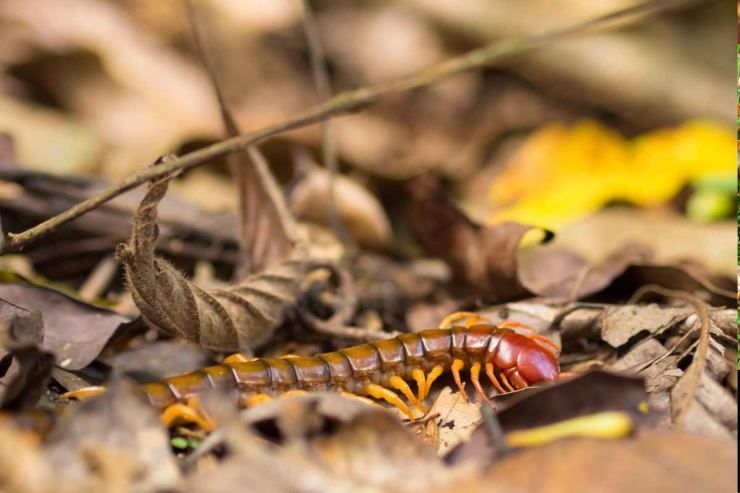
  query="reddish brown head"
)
[{"x": 523, "y": 360}]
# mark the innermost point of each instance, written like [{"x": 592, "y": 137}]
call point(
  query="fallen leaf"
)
[
  {"x": 562, "y": 174},
  {"x": 484, "y": 258},
  {"x": 621, "y": 323},
  {"x": 455, "y": 421},
  {"x": 652, "y": 461},
  {"x": 120, "y": 420},
  {"x": 75, "y": 332}
]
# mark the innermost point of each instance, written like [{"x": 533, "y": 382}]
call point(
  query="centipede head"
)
[{"x": 536, "y": 362}]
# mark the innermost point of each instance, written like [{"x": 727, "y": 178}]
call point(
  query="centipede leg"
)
[
  {"x": 509, "y": 324},
  {"x": 457, "y": 365},
  {"x": 294, "y": 392},
  {"x": 400, "y": 384},
  {"x": 190, "y": 412},
  {"x": 83, "y": 393},
  {"x": 375, "y": 390},
  {"x": 475, "y": 378},
  {"x": 435, "y": 372},
  {"x": 256, "y": 399},
  {"x": 517, "y": 380},
  {"x": 472, "y": 319},
  {"x": 493, "y": 379},
  {"x": 418, "y": 375},
  {"x": 505, "y": 379},
  {"x": 359, "y": 397},
  {"x": 238, "y": 358}
]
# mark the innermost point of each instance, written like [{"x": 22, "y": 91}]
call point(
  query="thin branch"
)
[
  {"x": 324, "y": 91},
  {"x": 344, "y": 103}
]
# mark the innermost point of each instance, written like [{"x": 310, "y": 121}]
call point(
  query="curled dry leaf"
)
[
  {"x": 620, "y": 323},
  {"x": 74, "y": 331},
  {"x": 239, "y": 318},
  {"x": 484, "y": 258}
]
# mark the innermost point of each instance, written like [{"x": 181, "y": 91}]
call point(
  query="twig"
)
[
  {"x": 495, "y": 431},
  {"x": 343, "y": 103},
  {"x": 328, "y": 143},
  {"x": 100, "y": 278}
]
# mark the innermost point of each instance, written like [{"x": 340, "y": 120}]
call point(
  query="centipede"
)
[{"x": 381, "y": 369}]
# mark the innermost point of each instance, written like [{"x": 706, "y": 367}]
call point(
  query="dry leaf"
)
[
  {"x": 239, "y": 318},
  {"x": 651, "y": 462},
  {"x": 456, "y": 422},
  {"x": 118, "y": 421},
  {"x": 621, "y": 323},
  {"x": 484, "y": 258},
  {"x": 75, "y": 332}
]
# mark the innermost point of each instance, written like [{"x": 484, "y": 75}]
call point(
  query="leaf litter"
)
[{"x": 275, "y": 283}]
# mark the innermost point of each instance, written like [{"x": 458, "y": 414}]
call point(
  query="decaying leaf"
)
[
  {"x": 455, "y": 422},
  {"x": 24, "y": 367},
  {"x": 236, "y": 319},
  {"x": 652, "y": 461},
  {"x": 330, "y": 444},
  {"x": 623, "y": 322},
  {"x": 75, "y": 332},
  {"x": 484, "y": 258},
  {"x": 119, "y": 421}
]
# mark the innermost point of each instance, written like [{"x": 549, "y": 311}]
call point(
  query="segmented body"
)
[{"x": 513, "y": 357}]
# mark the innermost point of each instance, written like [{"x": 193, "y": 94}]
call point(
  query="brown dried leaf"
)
[
  {"x": 119, "y": 421},
  {"x": 24, "y": 367},
  {"x": 621, "y": 323},
  {"x": 484, "y": 258},
  {"x": 75, "y": 332},
  {"x": 267, "y": 228},
  {"x": 674, "y": 462},
  {"x": 456, "y": 422},
  {"x": 239, "y": 318}
]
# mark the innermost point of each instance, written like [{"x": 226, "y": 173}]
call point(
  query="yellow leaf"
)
[{"x": 561, "y": 174}]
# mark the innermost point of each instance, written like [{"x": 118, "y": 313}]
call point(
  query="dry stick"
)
[
  {"x": 343, "y": 103},
  {"x": 328, "y": 143},
  {"x": 696, "y": 369},
  {"x": 261, "y": 167}
]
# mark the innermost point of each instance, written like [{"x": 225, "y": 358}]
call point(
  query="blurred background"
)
[{"x": 637, "y": 116}]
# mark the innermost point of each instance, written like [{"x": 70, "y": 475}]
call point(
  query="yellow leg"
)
[
  {"x": 186, "y": 413},
  {"x": 457, "y": 365},
  {"x": 475, "y": 378},
  {"x": 238, "y": 358},
  {"x": 289, "y": 356},
  {"x": 294, "y": 392},
  {"x": 83, "y": 393},
  {"x": 399, "y": 383},
  {"x": 375, "y": 390},
  {"x": 256, "y": 399},
  {"x": 471, "y": 318},
  {"x": 418, "y": 375},
  {"x": 359, "y": 397},
  {"x": 436, "y": 372}
]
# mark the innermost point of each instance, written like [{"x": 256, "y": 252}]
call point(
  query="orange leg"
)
[
  {"x": 471, "y": 318},
  {"x": 400, "y": 384},
  {"x": 433, "y": 375},
  {"x": 192, "y": 412},
  {"x": 418, "y": 375},
  {"x": 378, "y": 392},
  {"x": 493, "y": 379},
  {"x": 506, "y": 381},
  {"x": 457, "y": 365},
  {"x": 475, "y": 378},
  {"x": 83, "y": 393},
  {"x": 238, "y": 358},
  {"x": 510, "y": 324},
  {"x": 256, "y": 400}
]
